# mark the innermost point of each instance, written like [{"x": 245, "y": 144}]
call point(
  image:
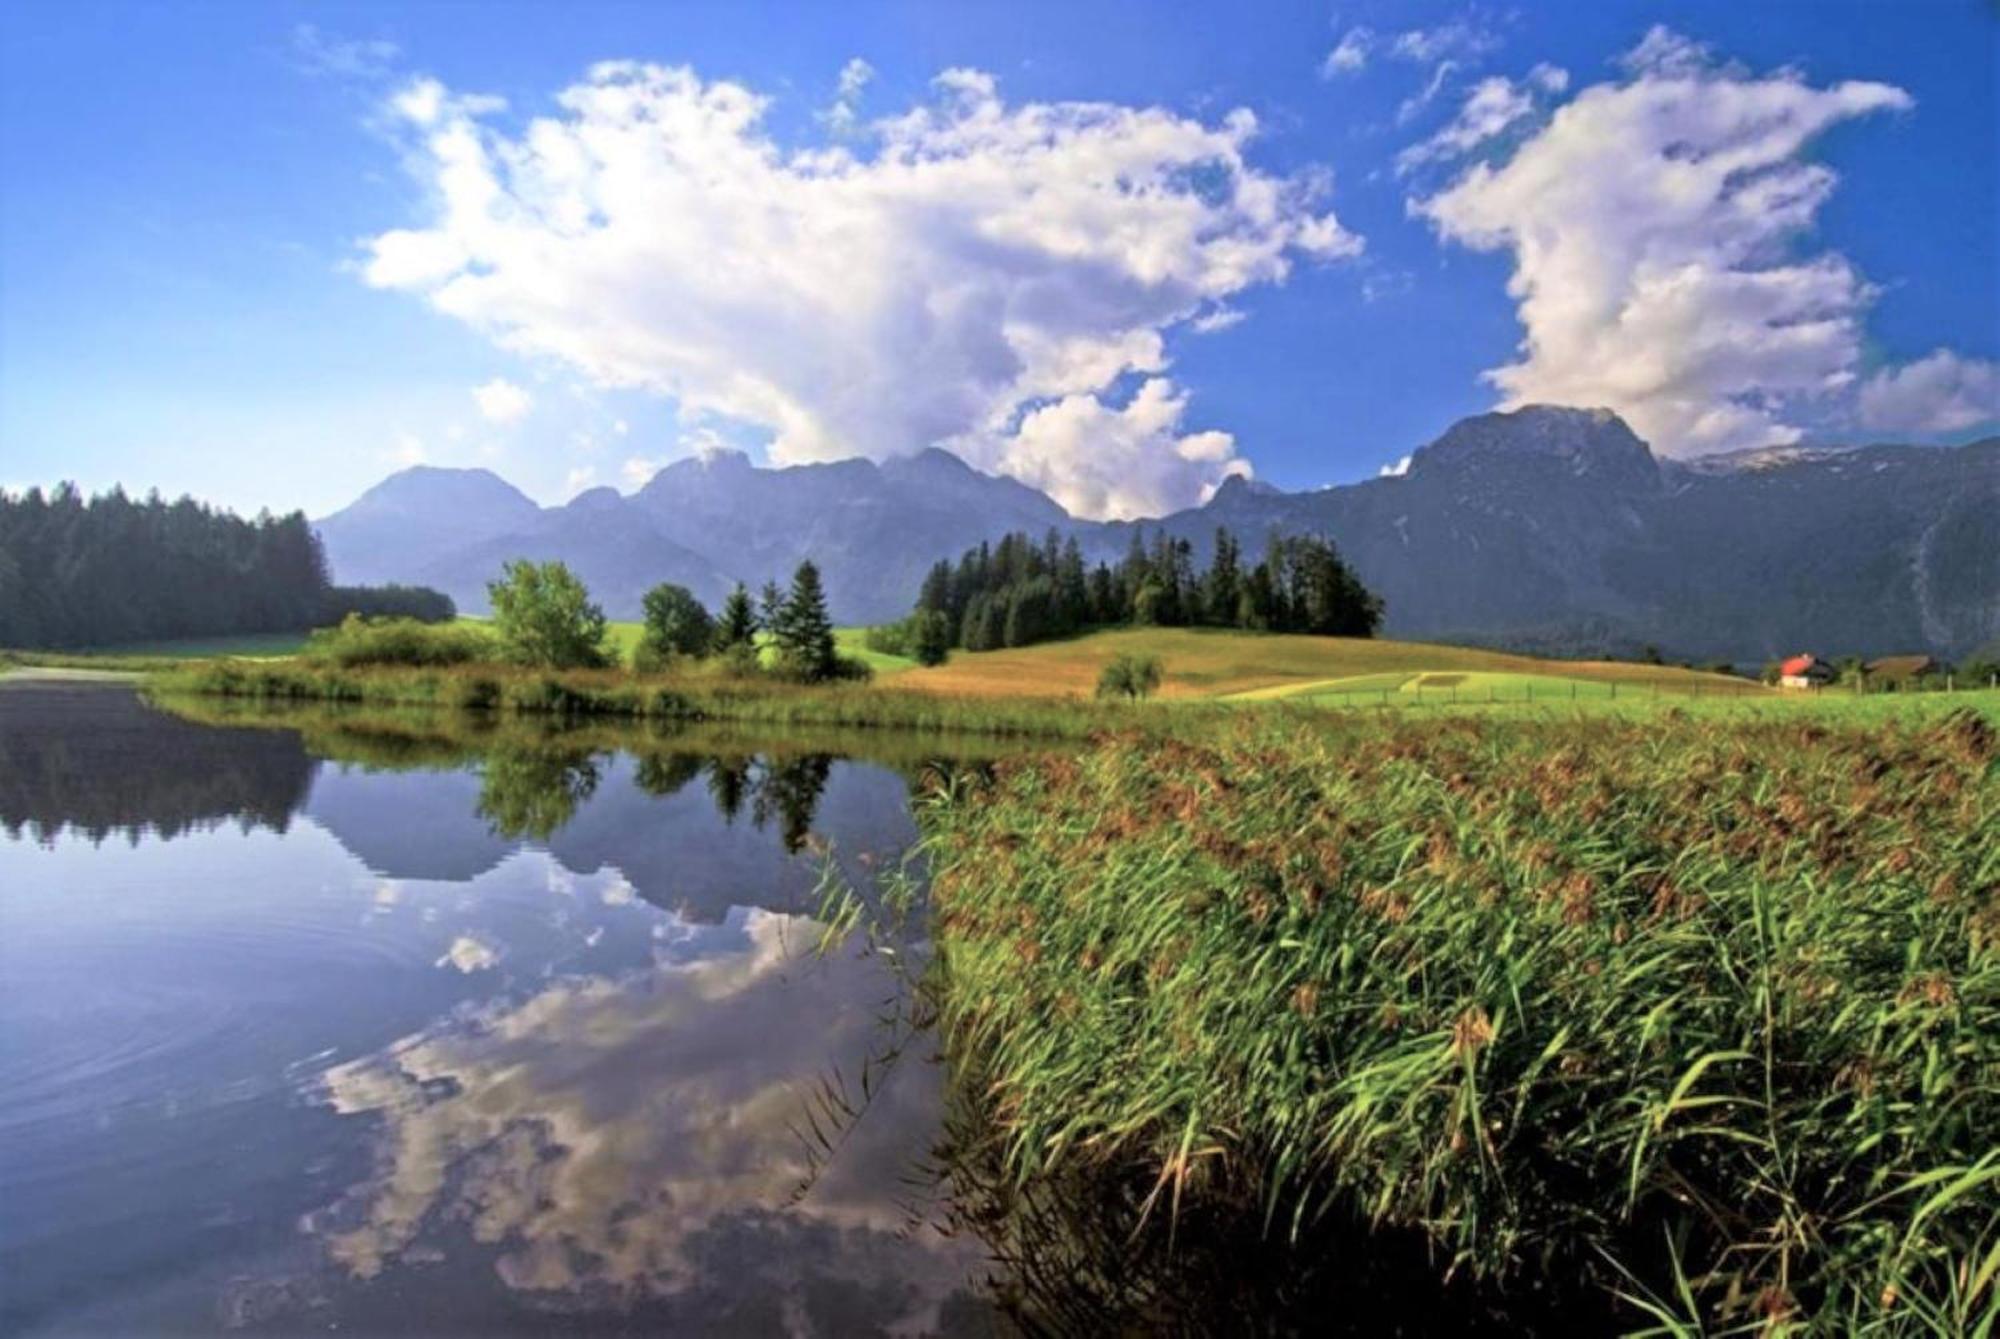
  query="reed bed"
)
[{"x": 1698, "y": 1016}]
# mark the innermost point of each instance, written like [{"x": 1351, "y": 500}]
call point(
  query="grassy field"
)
[
  {"x": 1215, "y": 663},
  {"x": 1703, "y": 1017}
]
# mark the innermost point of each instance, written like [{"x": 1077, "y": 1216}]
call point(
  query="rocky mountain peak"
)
[{"x": 1581, "y": 443}]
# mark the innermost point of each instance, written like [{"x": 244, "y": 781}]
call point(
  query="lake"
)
[{"x": 358, "y": 1024}]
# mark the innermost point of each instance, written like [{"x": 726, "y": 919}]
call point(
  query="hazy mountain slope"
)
[
  {"x": 417, "y": 517},
  {"x": 1547, "y": 528},
  {"x": 873, "y": 529},
  {"x": 1557, "y": 528},
  {"x": 616, "y": 549}
]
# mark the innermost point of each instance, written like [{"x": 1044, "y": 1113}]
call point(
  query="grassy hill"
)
[{"x": 1214, "y": 663}]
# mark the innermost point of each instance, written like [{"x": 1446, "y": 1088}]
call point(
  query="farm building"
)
[
  {"x": 1899, "y": 669},
  {"x": 1806, "y": 671}
]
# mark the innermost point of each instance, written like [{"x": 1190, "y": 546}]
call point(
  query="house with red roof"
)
[{"x": 1806, "y": 671}]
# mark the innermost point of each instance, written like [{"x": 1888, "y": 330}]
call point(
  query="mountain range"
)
[{"x": 1545, "y": 528}]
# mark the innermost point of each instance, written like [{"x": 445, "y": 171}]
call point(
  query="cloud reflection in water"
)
[{"x": 608, "y": 1133}]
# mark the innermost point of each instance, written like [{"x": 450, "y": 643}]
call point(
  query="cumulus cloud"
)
[
  {"x": 984, "y": 264},
  {"x": 1939, "y": 393},
  {"x": 501, "y": 401},
  {"x": 1118, "y": 463},
  {"x": 1651, "y": 224}
]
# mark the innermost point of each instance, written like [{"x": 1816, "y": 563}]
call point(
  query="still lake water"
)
[{"x": 337, "y": 1030}]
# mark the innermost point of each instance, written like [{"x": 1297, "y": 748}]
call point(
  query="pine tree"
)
[
  {"x": 771, "y": 607},
  {"x": 802, "y": 629},
  {"x": 738, "y": 624},
  {"x": 1224, "y": 583}
]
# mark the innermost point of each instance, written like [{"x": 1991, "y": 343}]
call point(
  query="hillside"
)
[{"x": 1211, "y": 663}]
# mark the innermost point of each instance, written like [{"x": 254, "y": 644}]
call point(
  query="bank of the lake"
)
[{"x": 751, "y": 699}]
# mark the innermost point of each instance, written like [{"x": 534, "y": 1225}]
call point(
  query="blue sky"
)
[{"x": 244, "y": 253}]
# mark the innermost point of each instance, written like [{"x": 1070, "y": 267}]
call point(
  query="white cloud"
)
[
  {"x": 1493, "y": 106},
  {"x": 501, "y": 401},
  {"x": 1395, "y": 469},
  {"x": 1463, "y": 38},
  {"x": 1412, "y": 106},
  {"x": 1119, "y": 463},
  {"x": 986, "y": 262},
  {"x": 1938, "y": 393},
  {"x": 1351, "y": 55},
  {"x": 409, "y": 449},
  {"x": 1221, "y": 318},
  {"x": 1650, "y": 224},
  {"x": 578, "y": 479},
  {"x": 638, "y": 471},
  {"x": 845, "y": 113}
]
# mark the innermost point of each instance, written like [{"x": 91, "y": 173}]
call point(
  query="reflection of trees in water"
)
[
  {"x": 96, "y": 759},
  {"x": 664, "y": 774},
  {"x": 789, "y": 790},
  {"x": 532, "y": 793},
  {"x": 729, "y": 785}
]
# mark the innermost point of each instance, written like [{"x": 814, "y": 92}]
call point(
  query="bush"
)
[
  {"x": 400, "y": 641},
  {"x": 546, "y": 619},
  {"x": 1130, "y": 676},
  {"x": 675, "y": 624}
]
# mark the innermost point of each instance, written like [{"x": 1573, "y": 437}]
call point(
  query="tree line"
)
[
  {"x": 80, "y": 572},
  {"x": 544, "y": 617},
  {"x": 1018, "y": 592}
]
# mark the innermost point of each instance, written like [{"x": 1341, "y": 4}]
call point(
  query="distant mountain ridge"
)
[{"x": 1549, "y": 527}]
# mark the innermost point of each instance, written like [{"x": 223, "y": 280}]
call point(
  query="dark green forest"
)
[
  {"x": 1019, "y": 592},
  {"x": 77, "y": 572}
]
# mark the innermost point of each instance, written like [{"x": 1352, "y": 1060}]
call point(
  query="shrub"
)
[
  {"x": 675, "y": 624},
  {"x": 1130, "y": 676},
  {"x": 545, "y": 618},
  {"x": 399, "y": 641}
]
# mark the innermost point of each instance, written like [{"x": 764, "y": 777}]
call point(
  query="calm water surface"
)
[{"x": 336, "y": 1029}]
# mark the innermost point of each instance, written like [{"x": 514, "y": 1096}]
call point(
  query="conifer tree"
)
[{"x": 802, "y": 630}]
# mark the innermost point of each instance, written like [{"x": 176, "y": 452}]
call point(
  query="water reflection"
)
[
  {"x": 618, "y": 1137},
  {"x": 520, "y": 1024},
  {"x": 98, "y": 761}
]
